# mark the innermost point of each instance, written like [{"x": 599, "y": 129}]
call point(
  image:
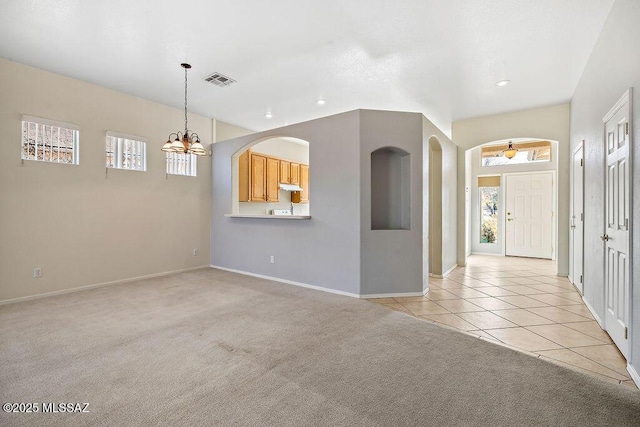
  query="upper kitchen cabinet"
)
[
  {"x": 289, "y": 172},
  {"x": 263, "y": 178},
  {"x": 302, "y": 196}
]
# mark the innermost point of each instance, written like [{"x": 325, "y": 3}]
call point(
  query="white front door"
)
[
  {"x": 616, "y": 237},
  {"x": 529, "y": 215},
  {"x": 576, "y": 246}
]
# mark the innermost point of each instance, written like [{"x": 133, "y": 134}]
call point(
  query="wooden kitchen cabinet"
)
[
  {"x": 302, "y": 196},
  {"x": 243, "y": 177},
  {"x": 294, "y": 173},
  {"x": 263, "y": 178},
  {"x": 285, "y": 171}
]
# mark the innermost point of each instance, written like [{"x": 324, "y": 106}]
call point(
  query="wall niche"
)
[{"x": 390, "y": 189}]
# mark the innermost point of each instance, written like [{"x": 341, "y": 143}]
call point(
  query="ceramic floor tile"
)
[
  {"x": 486, "y": 320},
  {"x": 524, "y": 281},
  {"x": 523, "y": 301},
  {"x": 490, "y": 303},
  {"x": 557, "y": 314},
  {"x": 577, "y": 309},
  {"x": 572, "y": 358},
  {"x": 564, "y": 336},
  {"x": 482, "y": 334},
  {"x": 552, "y": 299},
  {"x": 592, "y": 329},
  {"x": 574, "y": 296},
  {"x": 409, "y": 299},
  {"x": 448, "y": 285},
  {"x": 547, "y": 279},
  {"x": 521, "y": 289},
  {"x": 474, "y": 283},
  {"x": 547, "y": 288},
  {"x": 524, "y": 339},
  {"x": 522, "y": 317},
  {"x": 440, "y": 294},
  {"x": 450, "y": 320},
  {"x": 468, "y": 293},
  {"x": 496, "y": 291},
  {"x": 607, "y": 355},
  {"x": 459, "y": 306},
  {"x": 424, "y": 308}
]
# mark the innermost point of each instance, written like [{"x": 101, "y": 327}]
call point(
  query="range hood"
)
[{"x": 290, "y": 187}]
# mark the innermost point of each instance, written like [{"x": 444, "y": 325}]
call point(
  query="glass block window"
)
[
  {"x": 46, "y": 140},
  {"x": 126, "y": 152},
  {"x": 182, "y": 164}
]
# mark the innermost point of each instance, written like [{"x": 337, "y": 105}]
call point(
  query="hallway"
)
[{"x": 520, "y": 303}]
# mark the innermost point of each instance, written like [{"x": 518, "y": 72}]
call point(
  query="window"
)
[
  {"x": 489, "y": 187},
  {"x": 49, "y": 141},
  {"x": 528, "y": 152},
  {"x": 182, "y": 164},
  {"x": 126, "y": 152}
]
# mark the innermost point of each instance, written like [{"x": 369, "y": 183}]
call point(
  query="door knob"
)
[
  {"x": 509, "y": 219},
  {"x": 604, "y": 238}
]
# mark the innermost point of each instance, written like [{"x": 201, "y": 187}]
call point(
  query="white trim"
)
[
  {"x": 290, "y": 282},
  {"x": 445, "y": 274},
  {"x": 594, "y": 314},
  {"x": 99, "y": 285},
  {"x": 486, "y": 253},
  {"x": 400, "y": 295},
  {"x": 634, "y": 374},
  {"x": 49, "y": 122},
  {"x": 626, "y": 96}
]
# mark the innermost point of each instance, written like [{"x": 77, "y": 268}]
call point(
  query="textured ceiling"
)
[{"x": 438, "y": 57}]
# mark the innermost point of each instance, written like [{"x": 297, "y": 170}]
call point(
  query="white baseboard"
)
[
  {"x": 593, "y": 313},
  {"x": 400, "y": 295},
  {"x": 634, "y": 374},
  {"x": 290, "y": 282},
  {"x": 98, "y": 285},
  {"x": 446, "y": 273}
]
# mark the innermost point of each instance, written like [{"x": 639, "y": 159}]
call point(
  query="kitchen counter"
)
[{"x": 268, "y": 216}]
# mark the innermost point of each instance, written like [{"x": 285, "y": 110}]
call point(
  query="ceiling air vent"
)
[{"x": 219, "y": 79}]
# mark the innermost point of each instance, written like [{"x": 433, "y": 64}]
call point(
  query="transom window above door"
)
[{"x": 527, "y": 152}]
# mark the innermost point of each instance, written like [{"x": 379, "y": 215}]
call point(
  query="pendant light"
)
[
  {"x": 187, "y": 141},
  {"x": 510, "y": 152}
]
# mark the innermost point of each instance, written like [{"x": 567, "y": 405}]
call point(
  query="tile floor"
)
[{"x": 521, "y": 303}]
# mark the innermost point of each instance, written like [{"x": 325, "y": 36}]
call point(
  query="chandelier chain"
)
[{"x": 185, "y": 102}]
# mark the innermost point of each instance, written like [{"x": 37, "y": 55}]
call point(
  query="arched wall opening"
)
[
  {"x": 435, "y": 207},
  {"x": 270, "y": 176},
  {"x": 390, "y": 189},
  {"x": 486, "y": 212}
]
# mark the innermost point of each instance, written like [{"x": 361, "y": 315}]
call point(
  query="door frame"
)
[
  {"x": 554, "y": 203},
  {"x": 572, "y": 249},
  {"x": 627, "y": 96}
]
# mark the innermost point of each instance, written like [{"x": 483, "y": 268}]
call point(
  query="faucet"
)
[{"x": 291, "y": 208}]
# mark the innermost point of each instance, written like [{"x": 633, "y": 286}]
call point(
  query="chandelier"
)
[
  {"x": 187, "y": 141},
  {"x": 510, "y": 152}
]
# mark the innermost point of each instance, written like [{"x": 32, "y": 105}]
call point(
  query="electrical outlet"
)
[
  {"x": 196, "y": 252},
  {"x": 37, "y": 272},
  {"x": 273, "y": 259}
]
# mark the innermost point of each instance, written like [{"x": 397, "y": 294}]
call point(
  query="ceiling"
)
[{"x": 441, "y": 58}]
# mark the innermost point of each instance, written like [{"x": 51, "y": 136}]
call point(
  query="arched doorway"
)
[{"x": 435, "y": 207}]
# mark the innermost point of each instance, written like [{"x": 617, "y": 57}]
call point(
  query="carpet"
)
[{"x": 209, "y": 347}]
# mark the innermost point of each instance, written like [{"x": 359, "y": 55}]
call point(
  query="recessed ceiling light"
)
[
  {"x": 320, "y": 101},
  {"x": 503, "y": 82},
  {"x": 268, "y": 114}
]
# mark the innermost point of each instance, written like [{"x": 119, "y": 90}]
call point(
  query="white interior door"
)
[
  {"x": 616, "y": 237},
  {"x": 529, "y": 215},
  {"x": 576, "y": 245}
]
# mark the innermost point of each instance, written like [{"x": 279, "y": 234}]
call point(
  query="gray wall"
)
[
  {"x": 613, "y": 67},
  {"x": 391, "y": 259},
  {"x": 323, "y": 251},
  {"x": 449, "y": 190},
  {"x": 337, "y": 249}
]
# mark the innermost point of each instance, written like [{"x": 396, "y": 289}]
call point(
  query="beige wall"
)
[
  {"x": 82, "y": 226},
  {"x": 551, "y": 123}
]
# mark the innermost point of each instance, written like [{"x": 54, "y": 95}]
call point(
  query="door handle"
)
[
  {"x": 509, "y": 219},
  {"x": 604, "y": 237},
  {"x": 572, "y": 226}
]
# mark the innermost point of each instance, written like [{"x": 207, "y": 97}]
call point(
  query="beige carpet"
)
[{"x": 215, "y": 348}]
